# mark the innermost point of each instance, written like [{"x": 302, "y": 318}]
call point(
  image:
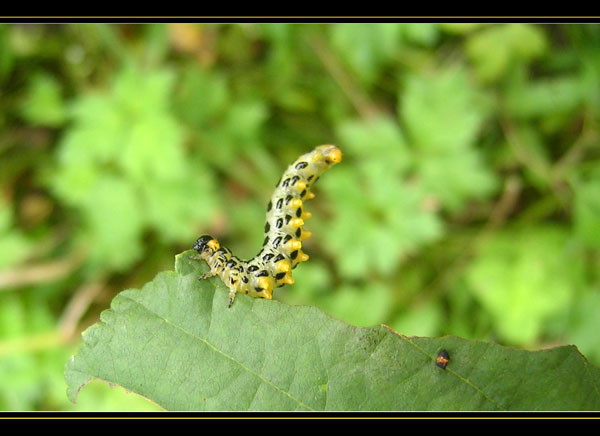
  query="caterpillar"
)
[{"x": 282, "y": 247}]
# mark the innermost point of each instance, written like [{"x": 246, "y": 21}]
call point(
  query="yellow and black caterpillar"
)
[{"x": 281, "y": 251}]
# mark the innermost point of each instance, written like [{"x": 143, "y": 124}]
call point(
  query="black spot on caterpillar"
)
[{"x": 284, "y": 227}]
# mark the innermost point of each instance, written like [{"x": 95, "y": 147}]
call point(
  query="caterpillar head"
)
[
  {"x": 206, "y": 245},
  {"x": 327, "y": 154}
]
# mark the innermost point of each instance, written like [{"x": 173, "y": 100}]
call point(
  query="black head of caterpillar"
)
[
  {"x": 200, "y": 244},
  {"x": 284, "y": 232}
]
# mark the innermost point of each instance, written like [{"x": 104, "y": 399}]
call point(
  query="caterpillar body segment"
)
[{"x": 284, "y": 232}]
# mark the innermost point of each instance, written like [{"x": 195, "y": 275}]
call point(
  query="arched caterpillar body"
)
[{"x": 284, "y": 232}]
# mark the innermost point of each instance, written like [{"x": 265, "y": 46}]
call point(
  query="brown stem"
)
[
  {"x": 78, "y": 304},
  {"x": 40, "y": 273}
]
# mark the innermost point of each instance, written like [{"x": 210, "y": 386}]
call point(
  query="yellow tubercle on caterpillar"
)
[
  {"x": 305, "y": 234},
  {"x": 302, "y": 257},
  {"x": 300, "y": 186},
  {"x": 295, "y": 203},
  {"x": 283, "y": 266},
  {"x": 294, "y": 244},
  {"x": 288, "y": 279},
  {"x": 296, "y": 222},
  {"x": 265, "y": 283},
  {"x": 281, "y": 252}
]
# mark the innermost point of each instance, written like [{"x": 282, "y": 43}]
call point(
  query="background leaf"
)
[
  {"x": 509, "y": 280},
  {"x": 43, "y": 104},
  {"x": 494, "y": 49}
]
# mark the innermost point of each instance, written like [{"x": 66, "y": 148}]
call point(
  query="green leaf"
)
[
  {"x": 390, "y": 223},
  {"x": 140, "y": 94},
  {"x": 455, "y": 177},
  {"x": 14, "y": 245},
  {"x": 348, "y": 303},
  {"x": 442, "y": 111},
  {"x": 378, "y": 139},
  {"x": 123, "y": 167},
  {"x": 26, "y": 322},
  {"x": 201, "y": 96},
  {"x": 523, "y": 278},
  {"x": 546, "y": 97},
  {"x": 587, "y": 210},
  {"x": 175, "y": 205},
  {"x": 100, "y": 125},
  {"x": 245, "y": 120},
  {"x": 421, "y": 320},
  {"x": 443, "y": 114},
  {"x": 176, "y": 343},
  {"x": 366, "y": 47},
  {"x": 114, "y": 219},
  {"x": 7, "y": 57},
  {"x": 461, "y": 28},
  {"x": 391, "y": 220},
  {"x": 496, "y": 48},
  {"x": 152, "y": 149},
  {"x": 421, "y": 33},
  {"x": 585, "y": 324},
  {"x": 43, "y": 105}
]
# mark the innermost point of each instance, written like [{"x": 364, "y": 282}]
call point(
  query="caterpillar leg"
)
[
  {"x": 207, "y": 275},
  {"x": 231, "y": 297},
  {"x": 210, "y": 274}
]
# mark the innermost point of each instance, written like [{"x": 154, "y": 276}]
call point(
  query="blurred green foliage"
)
[{"x": 468, "y": 201}]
